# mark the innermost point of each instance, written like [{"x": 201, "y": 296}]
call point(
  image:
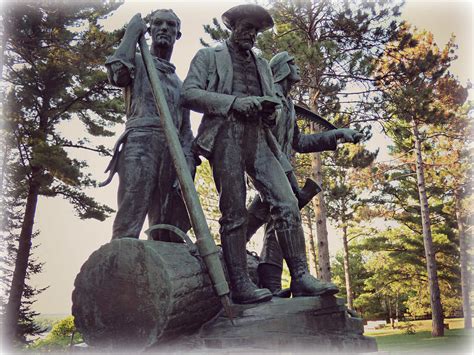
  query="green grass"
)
[{"x": 394, "y": 341}]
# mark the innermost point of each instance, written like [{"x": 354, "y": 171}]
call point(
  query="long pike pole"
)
[{"x": 206, "y": 246}]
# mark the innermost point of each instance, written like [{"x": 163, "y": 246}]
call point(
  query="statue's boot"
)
[
  {"x": 292, "y": 244},
  {"x": 271, "y": 265},
  {"x": 244, "y": 291},
  {"x": 269, "y": 277}
]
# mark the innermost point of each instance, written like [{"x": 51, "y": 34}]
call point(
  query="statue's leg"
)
[
  {"x": 270, "y": 267},
  {"x": 228, "y": 172},
  {"x": 294, "y": 251},
  {"x": 167, "y": 206},
  {"x": 272, "y": 184},
  {"x": 137, "y": 176},
  {"x": 258, "y": 215}
]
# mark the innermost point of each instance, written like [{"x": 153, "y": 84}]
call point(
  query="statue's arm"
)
[
  {"x": 196, "y": 94},
  {"x": 121, "y": 65},
  {"x": 316, "y": 142}
]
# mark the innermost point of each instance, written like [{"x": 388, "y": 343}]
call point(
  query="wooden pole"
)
[{"x": 206, "y": 246}]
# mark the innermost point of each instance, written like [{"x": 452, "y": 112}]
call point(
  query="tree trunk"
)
[
  {"x": 319, "y": 205},
  {"x": 347, "y": 275},
  {"x": 397, "y": 308},
  {"x": 6, "y": 153},
  {"x": 435, "y": 297},
  {"x": 135, "y": 293},
  {"x": 312, "y": 247},
  {"x": 3, "y": 30},
  {"x": 21, "y": 263},
  {"x": 464, "y": 259},
  {"x": 321, "y": 227},
  {"x": 387, "y": 310}
]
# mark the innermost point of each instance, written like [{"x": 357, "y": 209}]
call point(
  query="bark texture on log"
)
[{"x": 134, "y": 293}]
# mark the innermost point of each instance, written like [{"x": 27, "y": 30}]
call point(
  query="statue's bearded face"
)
[
  {"x": 244, "y": 34},
  {"x": 164, "y": 29}
]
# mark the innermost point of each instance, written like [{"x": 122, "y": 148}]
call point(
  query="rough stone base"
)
[{"x": 304, "y": 324}]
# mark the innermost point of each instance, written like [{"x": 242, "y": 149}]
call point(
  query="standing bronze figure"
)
[
  {"x": 148, "y": 183},
  {"x": 234, "y": 89},
  {"x": 285, "y": 75}
]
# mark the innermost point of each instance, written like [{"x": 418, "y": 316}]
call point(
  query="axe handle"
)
[{"x": 205, "y": 243}]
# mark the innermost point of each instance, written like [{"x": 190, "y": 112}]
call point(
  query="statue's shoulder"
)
[
  {"x": 262, "y": 60},
  {"x": 212, "y": 50}
]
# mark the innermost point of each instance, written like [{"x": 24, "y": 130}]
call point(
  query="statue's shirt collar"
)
[{"x": 164, "y": 66}]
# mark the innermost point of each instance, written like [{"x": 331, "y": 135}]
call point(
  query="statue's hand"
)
[
  {"x": 247, "y": 106},
  {"x": 191, "y": 163},
  {"x": 347, "y": 135},
  {"x": 137, "y": 25},
  {"x": 269, "y": 120}
]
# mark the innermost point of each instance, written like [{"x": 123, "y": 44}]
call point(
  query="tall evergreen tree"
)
[
  {"x": 53, "y": 64},
  {"x": 10, "y": 217},
  {"x": 344, "y": 191},
  {"x": 410, "y": 74}
]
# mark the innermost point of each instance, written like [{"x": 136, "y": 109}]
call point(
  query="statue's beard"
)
[{"x": 244, "y": 43}]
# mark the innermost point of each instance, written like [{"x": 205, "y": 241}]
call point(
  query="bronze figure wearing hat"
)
[
  {"x": 228, "y": 84},
  {"x": 286, "y": 75}
]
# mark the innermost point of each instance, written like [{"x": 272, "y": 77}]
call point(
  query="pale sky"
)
[{"x": 66, "y": 242}]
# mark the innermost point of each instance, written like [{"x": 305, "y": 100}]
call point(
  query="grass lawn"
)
[{"x": 394, "y": 341}]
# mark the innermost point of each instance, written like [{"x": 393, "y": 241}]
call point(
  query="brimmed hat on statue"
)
[{"x": 255, "y": 14}]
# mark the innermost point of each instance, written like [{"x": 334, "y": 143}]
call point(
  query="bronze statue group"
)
[{"x": 248, "y": 129}]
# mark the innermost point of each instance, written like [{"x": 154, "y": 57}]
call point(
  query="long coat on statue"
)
[{"x": 208, "y": 88}]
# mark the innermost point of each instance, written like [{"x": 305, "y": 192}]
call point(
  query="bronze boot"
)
[
  {"x": 294, "y": 251},
  {"x": 271, "y": 265},
  {"x": 269, "y": 277},
  {"x": 243, "y": 290}
]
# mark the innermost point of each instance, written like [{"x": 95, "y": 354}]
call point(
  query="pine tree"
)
[
  {"x": 344, "y": 191},
  {"x": 53, "y": 64},
  {"x": 10, "y": 216},
  {"x": 410, "y": 74}
]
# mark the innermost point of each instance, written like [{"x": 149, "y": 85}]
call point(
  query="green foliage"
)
[
  {"x": 53, "y": 68},
  {"x": 217, "y": 33},
  {"x": 413, "y": 77},
  {"x": 208, "y": 197},
  {"x": 59, "y": 338},
  {"x": 54, "y": 64},
  {"x": 358, "y": 272}
]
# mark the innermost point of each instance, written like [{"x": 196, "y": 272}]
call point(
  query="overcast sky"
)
[{"x": 66, "y": 242}]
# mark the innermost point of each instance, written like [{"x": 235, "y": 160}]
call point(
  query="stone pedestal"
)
[
  {"x": 134, "y": 295},
  {"x": 304, "y": 324}
]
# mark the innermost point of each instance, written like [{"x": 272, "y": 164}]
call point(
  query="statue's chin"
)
[{"x": 244, "y": 45}]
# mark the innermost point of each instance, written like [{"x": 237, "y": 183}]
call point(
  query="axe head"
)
[{"x": 310, "y": 189}]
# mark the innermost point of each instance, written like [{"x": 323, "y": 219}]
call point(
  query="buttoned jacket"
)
[{"x": 208, "y": 89}]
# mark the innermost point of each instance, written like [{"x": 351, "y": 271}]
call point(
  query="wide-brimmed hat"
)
[{"x": 255, "y": 14}]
